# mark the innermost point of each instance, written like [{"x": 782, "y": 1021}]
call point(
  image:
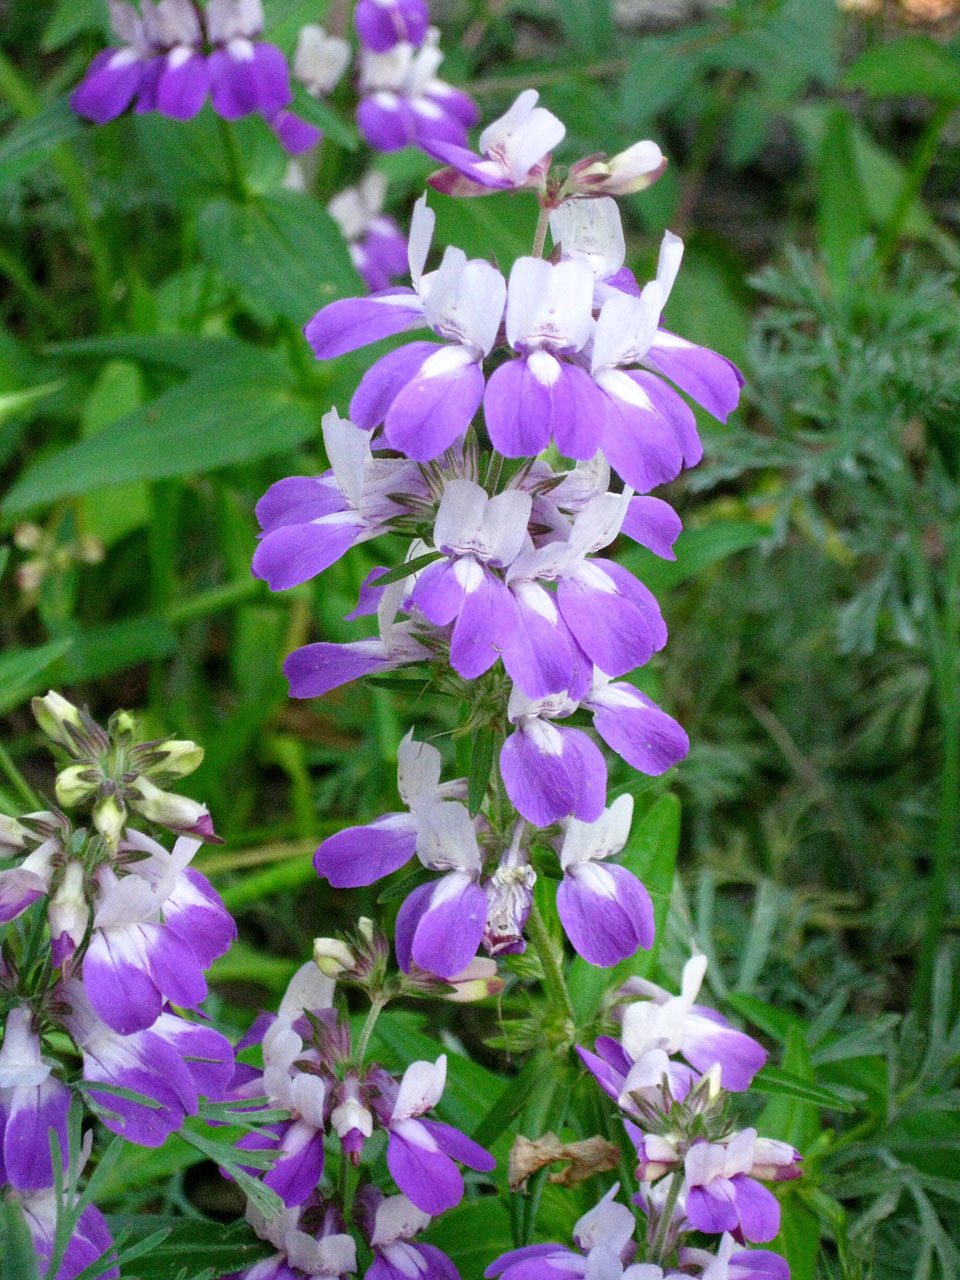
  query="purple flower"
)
[
  {"x": 421, "y": 1153},
  {"x": 378, "y": 248},
  {"x": 721, "y": 1196},
  {"x": 680, "y": 1025},
  {"x": 509, "y": 898},
  {"x": 604, "y": 909},
  {"x": 744, "y": 1264},
  {"x": 634, "y": 726},
  {"x": 116, "y": 75},
  {"x": 173, "y": 1063},
  {"x": 551, "y": 771},
  {"x": 247, "y": 74},
  {"x": 381, "y": 24},
  {"x": 403, "y": 102},
  {"x": 177, "y": 83},
  {"x": 308, "y": 522},
  {"x": 90, "y": 1240},
  {"x": 325, "y": 1252},
  {"x": 390, "y": 1224},
  {"x": 155, "y": 931},
  {"x": 515, "y": 152},
  {"x": 32, "y": 1102}
]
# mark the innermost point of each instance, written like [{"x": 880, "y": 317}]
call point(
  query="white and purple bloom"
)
[
  {"x": 604, "y": 1239},
  {"x": 403, "y": 101},
  {"x": 173, "y": 1063},
  {"x": 390, "y": 1224},
  {"x": 730, "y": 1263},
  {"x": 381, "y": 24},
  {"x": 308, "y": 522},
  {"x": 247, "y": 74},
  {"x": 177, "y": 81},
  {"x": 678, "y": 1024},
  {"x": 721, "y": 1194},
  {"x": 634, "y": 726},
  {"x": 90, "y": 1241},
  {"x": 378, "y": 248},
  {"x": 320, "y": 59},
  {"x": 32, "y": 1102},
  {"x": 550, "y": 771},
  {"x": 605, "y": 910},
  {"x": 509, "y": 898},
  {"x": 310, "y": 1241},
  {"x": 117, "y": 75},
  {"x": 515, "y": 152},
  {"x": 155, "y": 931},
  {"x": 421, "y": 1154}
]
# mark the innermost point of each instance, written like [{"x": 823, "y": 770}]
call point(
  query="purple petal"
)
[
  {"x": 674, "y": 410},
  {"x": 550, "y": 772},
  {"x": 439, "y": 592},
  {"x": 295, "y": 134},
  {"x": 486, "y": 614},
  {"x": 536, "y": 649},
  {"x": 183, "y": 86},
  {"x": 609, "y": 1080},
  {"x": 450, "y": 927},
  {"x": 479, "y": 169},
  {"x": 578, "y": 413},
  {"x": 640, "y": 444},
  {"x": 386, "y": 121},
  {"x": 517, "y": 410},
  {"x": 32, "y": 1112},
  {"x": 420, "y": 1169},
  {"x": 195, "y": 912},
  {"x": 300, "y": 499},
  {"x": 384, "y": 381},
  {"x": 146, "y": 1064},
  {"x": 459, "y": 1147},
  {"x": 294, "y": 1176},
  {"x": 355, "y": 322},
  {"x": 710, "y": 379},
  {"x": 614, "y": 618},
  {"x": 712, "y": 1208},
  {"x": 174, "y": 966},
  {"x": 241, "y": 85},
  {"x": 538, "y": 1262},
  {"x": 455, "y": 103},
  {"x": 758, "y": 1209},
  {"x": 636, "y": 728},
  {"x": 108, "y": 88},
  {"x": 118, "y": 982},
  {"x": 315, "y": 669},
  {"x": 408, "y": 918},
  {"x": 361, "y": 855},
  {"x": 654, "y": 524},
  {"x": 380, "y": 26},
  {"x": 605, "y": 911},
  {"x": 758, "y": 1264},
  {"x": 205, "y": 1053},
  {"x": 588, "y": 772},
  {"x": 430, "y": 126},
  {"x": 294, "y": 553},
  {"x": 706, "y": 1042},
  {"x": 434, "y": 408},
  {"x": 18, "y": 888}
]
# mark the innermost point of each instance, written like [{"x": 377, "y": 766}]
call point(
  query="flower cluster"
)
[{"x": 170, "y": 61}]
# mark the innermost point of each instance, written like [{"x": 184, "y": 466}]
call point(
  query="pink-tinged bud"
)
[
  {"x": 68, "y": 913},
  {"x": 76, "y": 784},
  {"x": 333, "y": 957},
  {"x": 110, "y": 817},
  {"x": 775, "y": 1161},
  {"x": 477, "y": 981},
  {"x": 624, "y": 174},
  {"x": 53, "y": 713},
  {"x": 167, "y": 809},
  {"x": 656, "y": 1156},
  {"x": 351, "y": 1118},
  {"x": 13, "y": 836}
]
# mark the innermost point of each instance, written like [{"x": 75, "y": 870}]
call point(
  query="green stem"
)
[
  {"x": 376, "y": 1008},
  {"x": 920, "y": 165},
  {"x": 540, "y": 235},
  {"x": 553, "y": 979},
  {"x": 212, "y": 600},
  {"x": 231, "y": 153},
  {"x": 658, "y": 1248},
  {"x": 17, "y": 779}
]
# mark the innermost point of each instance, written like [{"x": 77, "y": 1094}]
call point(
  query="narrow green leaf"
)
[
  {"x": 100, "y": 651},
  {"x": 404, "y": 570},
  {"x": 31, "y": 141},
  {"x": 18, "y": 1258},
  {"x": 799, "y": 1238},
  {"x": 787, "y": 1084},
  {"x": 12, "y": 402},
  {"x": 481, "y": 762},
  {"x": 188, "y": 1243},
  {"x": 190, "y": 352},
  {"x": 21, "y": 671},
  {"x": 841, "y": 202},
  {"x": 696, "y": 550},
  {"x": 324, "y": 116},
  {"x": 512, "y": 1101},
  {"x": 218, "y": 417}
]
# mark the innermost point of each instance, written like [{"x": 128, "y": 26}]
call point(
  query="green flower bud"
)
[
  {"x": 169, "y": 810},
  {"x": 77, "y": 783},
  {"x": 333, "y": 957},
  {"x": 175, "y": 759},
  {"x": 53, "y": 713},
  {"x": 109, "y": 817}
]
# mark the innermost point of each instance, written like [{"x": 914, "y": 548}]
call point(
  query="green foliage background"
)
[{"x": 154, "y": 381}]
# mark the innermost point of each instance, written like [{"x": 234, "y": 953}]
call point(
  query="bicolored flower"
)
[
  {"x": 32, "y": 1102},
  {"x": 730, "y": 1263},
  {"x": 378, "y": 248},
  {"x": 116, "y": 75},
  {"x": 721, "y": 1194},
  {"x": 605, "y": 910},
  {"x": 422, "y": 1154},
  {"x": 90, "y": 1241},
  {"x": 247, "y": 73},
  {"x": 325, "y": 1252},
  {"x": 381, "y": 24},
  {"x": 549, "y": 770},
  {"x": 515, "y": 152},
  {"x": 390, "y": 1224}
]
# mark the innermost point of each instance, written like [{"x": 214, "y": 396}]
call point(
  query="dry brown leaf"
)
[{"x": 583, "y": 1158}]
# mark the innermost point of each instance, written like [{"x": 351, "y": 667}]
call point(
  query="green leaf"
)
[
  {"x": 30, "y": 142},
  {"x": 777, "y": 1080},
  {"x": 696, "y": 551},
  {"x": 70, "y": 17},
  {"x": 587, "y": 24},
  {"x": 775, "y": 1022},
  {"x": 914, "y": 64},
  {"x": 799, "y": 1238},
  {"x": 473, "y": 1234},
  {"x": 100, "y": 651},
  {"x": 13, "y": 402},
  {"x": 113, "y": 512},
  {"x": 651, "y": 854},
  {"x": 190, "y": 352},
  {"x": 283, "y": 252},
  {"x": 513, "y": 1099},
  {"x": 21, "y": 669},
  {"x": 841, "y": 203},
  {"x": 481, "y": 762},
  {"x": 335, "y": 129},
  {"x": 218, "y": 417},
  {"x": 18, "y": 1258},
  {"x": 404, "y": 570},
  {"x": 189, "y": 1243}
]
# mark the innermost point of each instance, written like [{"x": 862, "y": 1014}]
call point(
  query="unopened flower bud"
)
[
  {"x": 76, "y": 784},
  {"x": 53, "y": 713},
  {"x": 656, "y": 1156},
  {"x": 366, "y": 928},
  {"x": 333, "y": 957},
  {"x": 630, "y": 171},
  {"x": 12, "y": 835},
  {"x": 123, "y": 724},
  {"x": 27, "y": 536},
  {"x": 177, "y": 758},
  {"x": 775, "y": 1161},
  {"x": 167, "y": 809},
  {"x": 109, "y": 817},
  {"x": 351, "y": 1118},
  {"x": 477, "y": 981},
  {"x": 320, "y": 60},
  {"x": 68, "y": 914}
]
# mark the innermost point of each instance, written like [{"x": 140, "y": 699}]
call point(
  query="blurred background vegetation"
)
[{"x": 153, "y": 382}]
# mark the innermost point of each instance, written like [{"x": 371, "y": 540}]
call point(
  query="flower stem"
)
[
  {"x": 376, "y": 1008},
  {"x": 553, "y": 980},
  {"x": 658, "y": 1249},
  {"x": 17, "y": 779},
  {"x": 231, "y": 154},
  {"x": 540, "y": 235}
]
